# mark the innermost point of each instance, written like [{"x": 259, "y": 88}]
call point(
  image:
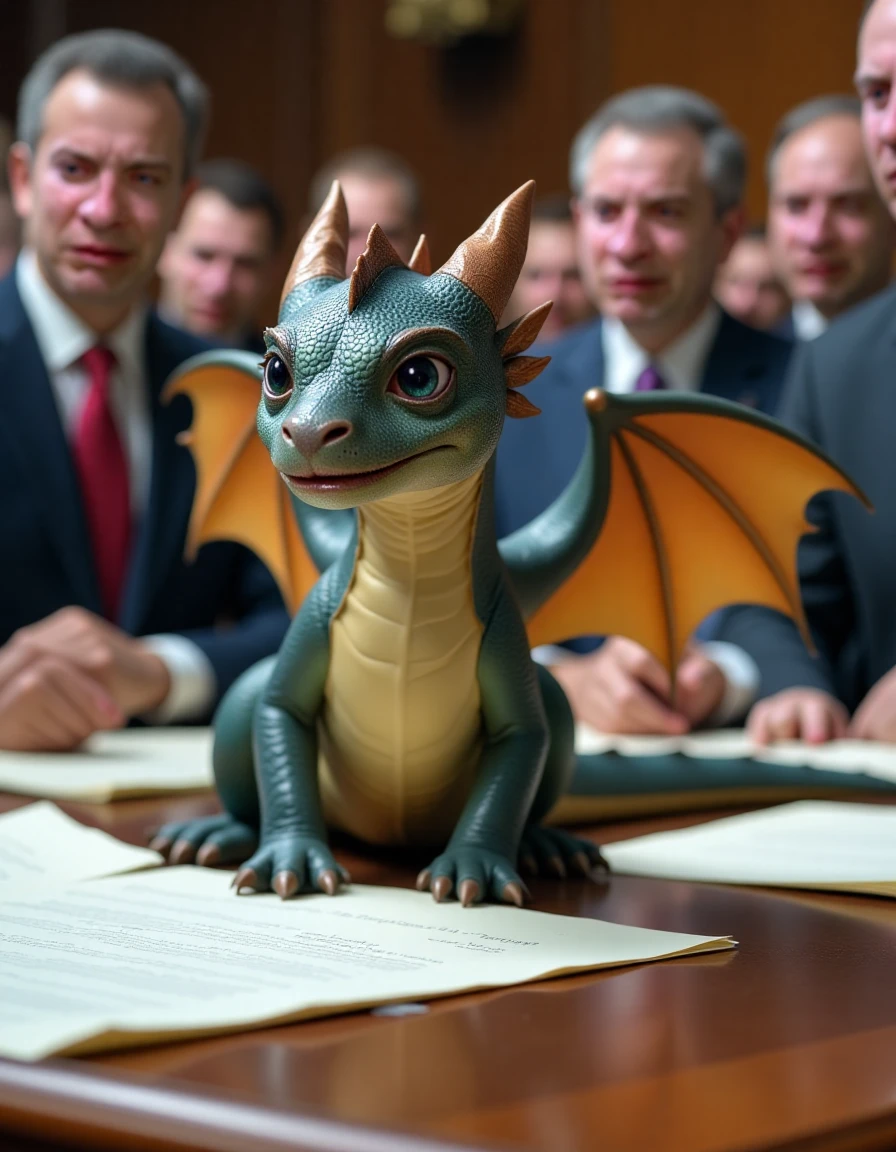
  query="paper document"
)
[
  {"x": 174, "y": 953},
  {"x": 40, "y": 845},
  {"x": 114, "y": 765},
  {"x": 859, "y": 756},
  {"x": 808, "y": 844}
]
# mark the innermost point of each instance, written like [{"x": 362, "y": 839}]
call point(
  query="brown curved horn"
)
[
  {"x": 489, "y": 262},
  {"x": 376, "y": 257},
  {"x": 321, "y": 251},
  {"x": 420, "y": 260}
]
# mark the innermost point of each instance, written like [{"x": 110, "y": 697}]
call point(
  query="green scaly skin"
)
[{"x": 341, "y": 364}]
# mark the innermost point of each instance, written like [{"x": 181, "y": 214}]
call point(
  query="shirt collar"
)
[
  {"x": 808, "y": 322},
  {"x": 63, "y": 337},
  {"x": 681, "y": 364}
]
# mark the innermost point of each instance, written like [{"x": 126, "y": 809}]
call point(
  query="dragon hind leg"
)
[
  {"x": 551, "y": 851},
  {"x": 233, "y": 835}
]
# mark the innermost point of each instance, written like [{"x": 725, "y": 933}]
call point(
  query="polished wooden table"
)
[{"x": 788, "y": 1043}]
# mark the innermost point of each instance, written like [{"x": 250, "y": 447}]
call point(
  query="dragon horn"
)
[
  {"x": 489, "y": 262},
  {"x": 321, "y": 251}
]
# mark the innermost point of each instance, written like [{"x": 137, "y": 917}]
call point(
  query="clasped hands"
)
[
  {"x": 72, "y": 674},
  {"x": 623, "y": 688}
]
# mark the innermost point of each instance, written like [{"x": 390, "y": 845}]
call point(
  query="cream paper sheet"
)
[
  {"x": 40, "y": 845},
  {"x": 174, "y": 953},
  {"x": 807, "y": 844},
  {"x": 114, "y": 765}
]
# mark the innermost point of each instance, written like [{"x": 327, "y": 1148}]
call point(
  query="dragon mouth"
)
[{"x": 344, "y": 481}]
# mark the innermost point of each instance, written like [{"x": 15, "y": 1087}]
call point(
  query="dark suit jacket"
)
[
  {"x": 841, "y": 393},
  {"x": 538, "y": 456},
  {"x": 47, "y": 557}
]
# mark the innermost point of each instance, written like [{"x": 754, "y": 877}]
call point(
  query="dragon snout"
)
[{"x": 309, "y": 438}]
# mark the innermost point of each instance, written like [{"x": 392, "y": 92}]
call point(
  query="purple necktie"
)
[{"x": 650, "y": 380}]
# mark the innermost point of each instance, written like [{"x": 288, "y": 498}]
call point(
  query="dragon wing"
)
[
  {"x": 681, "y": 505},
  {"x": 239, "y": 495}
]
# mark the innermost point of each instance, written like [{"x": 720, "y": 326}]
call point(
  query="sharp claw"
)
[
  {"x": 245, "y": 878},
  {"x": 529, "y": 864},
  {"x": 286, "y": 884},
  {"x": 328, "y": 882},
  {"x": 468, "y": 892},
  {"x": 601, "y": 862},
  {"x": 441, "y": 887},
  {"x": 423, "y": 880},
  {"x": 582, "y": 863},
  {"x": 183, "y": 852},
  {"x": 208, "y": 854},
  {"x": 160, "y": 844},
  {"x": 513, "y": 894},
  {"x": 556, "y": 865}
]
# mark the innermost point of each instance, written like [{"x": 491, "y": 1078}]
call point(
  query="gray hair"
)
[
  {"x": 810, "y": 112},
  {"x": 121, "y": 58},
  {"x": 376, "y": 163},
  {"x": 659, "y": 108}
]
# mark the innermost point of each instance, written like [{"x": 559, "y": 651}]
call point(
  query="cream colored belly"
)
[{"x": 400, "y": 730}]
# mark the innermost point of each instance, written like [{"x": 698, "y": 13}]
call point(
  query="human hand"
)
[
  {"x": 623, "y": 688},
  {"x": 135, "y": 679},
  {"x": 49, "y": 704},
  {"x": 797, "y": 714},
  {"x": 875, "y": 717}
]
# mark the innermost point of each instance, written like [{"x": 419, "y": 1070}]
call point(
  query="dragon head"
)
[{"x": 395, "y": 379}]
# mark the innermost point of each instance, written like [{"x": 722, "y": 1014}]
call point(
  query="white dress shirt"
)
[
  {"x": 808, "y": 322},
  {"x": 62, "y": 339},
  {"x": 681, "y": 366}
]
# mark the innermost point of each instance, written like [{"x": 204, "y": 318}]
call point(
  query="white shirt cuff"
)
[
  {"x": 741, "y": 681},
  {"x": 192, "y": 676},
  {"x": 553, "y": 654}
]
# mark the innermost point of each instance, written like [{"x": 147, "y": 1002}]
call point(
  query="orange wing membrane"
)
[
  {"x": 705, "y": 510},
  {"x": 239, "y": 495}
]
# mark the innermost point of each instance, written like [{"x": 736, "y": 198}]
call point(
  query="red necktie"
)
[{"x": 102, "y": 470}]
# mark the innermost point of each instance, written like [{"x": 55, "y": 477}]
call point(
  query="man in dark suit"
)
[
  {"x": 95, "y": 494},
  {"x": 217, "y": 268},
  {"x": 657, "y": 178},
  {"x": 841, "y": 394}
]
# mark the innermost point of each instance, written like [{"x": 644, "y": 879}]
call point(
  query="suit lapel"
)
[
  {"x": 163, "y": 529},
  {"x": 735, "y": 368},
  {"x": 33, "y": 436}
]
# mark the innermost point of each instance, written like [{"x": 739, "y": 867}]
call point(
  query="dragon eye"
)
[
  {"x": 277, "y": 380},
  {"x": 421, "y": 378}
]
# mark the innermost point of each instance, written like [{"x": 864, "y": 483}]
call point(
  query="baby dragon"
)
[{"x": 403, "y": 706}]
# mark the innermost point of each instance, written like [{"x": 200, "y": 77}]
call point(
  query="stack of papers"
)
[
  {"x": 115, "y": 765},
  {"x": 174, "y": 953},
  {"x": 808, "y": 844}
]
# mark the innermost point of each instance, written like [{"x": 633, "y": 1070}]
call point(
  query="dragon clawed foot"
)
[
  {"x": 289, "y": 865},
  {"x": 473, "y": 875},
  {"x": 553, "y": 852},
  {"x": 207, "y": 841}
]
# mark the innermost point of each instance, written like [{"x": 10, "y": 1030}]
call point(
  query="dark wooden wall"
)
[{"x": 295, "y": 80}]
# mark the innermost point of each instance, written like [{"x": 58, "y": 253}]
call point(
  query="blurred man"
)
[
  {"x": 747, "y": 285},
  {"x": 379, "y": 188},
  {"x": 658, "y": 179},
  {"x": 217, "y": 268},
  {"x": 551, "y": 271},
  {"x": 841, "y": 395},
  {"x": 100, "y": 617},
  {"x": 830, "y": 234}
]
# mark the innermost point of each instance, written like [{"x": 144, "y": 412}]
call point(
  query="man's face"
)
[
  {"x": 101, "y": 191},
  {"x": 649, "y": 236},
  {"x": 830, "y": 235},
  {"x": 216, "y": 268},
  {"x": 748, "y": 287},
  {"x": 551, "y": 272},
  {"x": 376, "y": 200},
  {"x": 876, "y": 84}
]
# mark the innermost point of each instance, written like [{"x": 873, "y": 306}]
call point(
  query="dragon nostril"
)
[{"x": 334, "y": 432}]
